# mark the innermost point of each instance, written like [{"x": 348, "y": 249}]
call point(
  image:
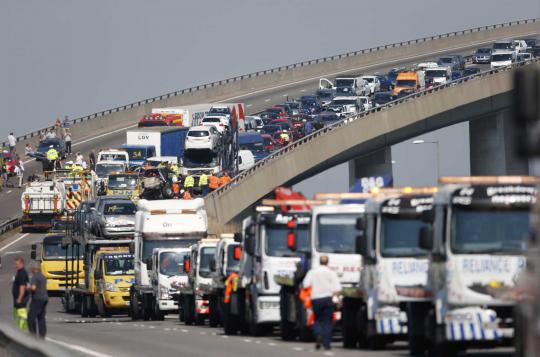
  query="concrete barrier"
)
[
  {"x": 121, "y": 117},
  {"x": 383, "y": 126},
  {"x": 14, "y": 343}
]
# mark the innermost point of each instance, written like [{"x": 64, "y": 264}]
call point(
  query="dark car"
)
[
  {"x": 386, "y": 83},
  {"x": 58, "y": 144},
  {"x": 382, "y": 98},
  {"x": 267, "y": 117},
  {"x": 456, "y": 75},
  {"x": 310, "y": 102},
  {"x": 327, "y": 118},
  {"x": 253, "y": 142},
  {"x": 270, "y": 129},
  {"x": 470, "y": 71},
  {"x": 482, "y": 55},
  {"x": 531, "y": 42}
]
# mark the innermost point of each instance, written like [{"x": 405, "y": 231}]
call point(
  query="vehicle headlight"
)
[
  {"x": 163, "y": 292},
  {"x": 110, "y": 287}
]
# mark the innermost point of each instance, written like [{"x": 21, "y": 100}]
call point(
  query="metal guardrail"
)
[
  {"x": 293, "y": 146},
  {"x": 10, "y": 224},
  {"x": 14, "y": 343},
  {"x": 277, "y": 69}
]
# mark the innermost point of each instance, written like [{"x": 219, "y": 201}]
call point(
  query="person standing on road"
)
[
  {"x": 20, "y": 294},
  {"x": 203, "y": 184},
  {"x": 19, "y": 172},
  {"x": 67, "y": 139},
  {"x": 38, "y": 304},
  {"x": 324, "y": 284},
  {"x": 92, "y": 160},
  {"x": 12, "y": 142}
]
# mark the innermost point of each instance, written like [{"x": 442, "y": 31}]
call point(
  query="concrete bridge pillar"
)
[{"x": 377, "y": 163}]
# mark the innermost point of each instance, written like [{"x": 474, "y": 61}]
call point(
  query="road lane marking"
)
[
  {"x": 78, "y": 348},
  {"x": 15, "y": 241}
]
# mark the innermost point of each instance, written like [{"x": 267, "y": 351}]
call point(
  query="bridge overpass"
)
[{"x": 455, "y": 102}]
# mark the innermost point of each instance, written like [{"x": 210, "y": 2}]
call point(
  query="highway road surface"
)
[{"x": 118, "y": 336}]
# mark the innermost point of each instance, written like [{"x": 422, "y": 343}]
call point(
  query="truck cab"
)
[
  {"x": 412, "y": 81},
  {"x": 124, "y": 184},
  {"x": 167, "y": 276},
  {"x": 138, "y": 153},
  {"x": 41, "y": 202},
  {"x": 113, "y": 155},
  {"x": 57, "y": 262},
  {"x": 102, "y": 170},
  {"x": 476, "y": 240},
  {"x": 438, "y": 75},
  {"x": 195, "y": 303}
]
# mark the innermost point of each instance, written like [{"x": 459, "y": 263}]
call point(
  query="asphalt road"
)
[
  {"x": 255, "y": 102},
  {"x": 119, "y": 336}
]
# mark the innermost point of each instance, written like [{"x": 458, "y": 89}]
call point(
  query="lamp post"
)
[{"x": 436, "y": 143}]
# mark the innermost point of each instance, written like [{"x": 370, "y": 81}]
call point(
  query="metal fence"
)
[
  {"x": 293, "y": 146},
  {"x": 277, "y": 69}
]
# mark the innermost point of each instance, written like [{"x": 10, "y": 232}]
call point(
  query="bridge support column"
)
[
  {"x": 377, "y": 163},
  {"x": 492, "y": 146}
]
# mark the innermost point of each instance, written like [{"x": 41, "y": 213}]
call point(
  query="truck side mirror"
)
[
  {"x": 33, "y": 253},
  {"x": 213, "y": 264},
  {"x": 249, "y": 244},
  {"x": 361, "y": 246},
  {"x": 97, "y": 274},
  {"x": 187, "y": 265},
  {"x": 237, "y": 254},
  {"x": 238, "y": 237},
  {"x": 291, "y": 236},
  {"x": 426, "y": 238}
]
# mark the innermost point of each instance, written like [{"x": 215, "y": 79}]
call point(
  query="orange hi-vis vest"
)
[
  {"x": 231, "y": 284},
  {"x": 213, "y": 182}
]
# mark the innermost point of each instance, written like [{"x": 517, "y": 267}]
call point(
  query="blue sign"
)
[{"x": 366, "y": 184}]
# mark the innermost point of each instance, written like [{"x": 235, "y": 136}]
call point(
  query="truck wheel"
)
[
  {"x": 287, "y": 328},
  {"x": 349, "y": 322},
  {"x": 134, "y": 306},
  {"x": 146, "y": 308},
  {"x": 181, "y": 314},
  {"x": 102, "y": 309}
]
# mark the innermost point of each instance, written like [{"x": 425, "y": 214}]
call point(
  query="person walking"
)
[
  {"x": 213, "y": 182},
  {"x": 203, "y": 184},
  {"x": 19, "y": 172},
  {"x": 324, "y": 284},
  {"x": 20, "y": 294},
  {"x": 67, "y": 139},
  {"x": 38, "y": 303},
  {"x": 12, "y": 142}
]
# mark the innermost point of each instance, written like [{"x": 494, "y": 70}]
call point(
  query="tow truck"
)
[
  {"x": 394, "y": 278},
  {"x": 161, "y": 224},
  {"x": 124, "y": 184},
  {"x": 42, "y": 202},
  {"x": 476, "y": 239},
  {"x": 194, "y": 302},
  {"x": 269, "y": 240}
]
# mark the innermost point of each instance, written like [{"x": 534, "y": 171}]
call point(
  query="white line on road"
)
[
  {"x": 15, "y": 241},
  {"x": 8, "y": 192},
  {"x": 267, "y": 99},
  {"x": 78, "y": 348}
]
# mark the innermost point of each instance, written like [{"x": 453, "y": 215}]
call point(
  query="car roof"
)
[{"x": 199, "y": 128}]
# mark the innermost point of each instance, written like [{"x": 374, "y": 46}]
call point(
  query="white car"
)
[
  {"x": 365, "y": 103},
  {"x": 220, "y": 110},
  {"x": 373, "y": 83},
  {"x": 219, "y": 122},
  {"x": 202, "y": 137},
  {"x": 502, "y": 59}
]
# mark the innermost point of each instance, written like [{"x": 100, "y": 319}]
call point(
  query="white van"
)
[{"x": 246, "y": 160}]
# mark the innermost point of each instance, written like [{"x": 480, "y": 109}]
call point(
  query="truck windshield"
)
[
  {"x": 150, "y": 244},
  {"x": 200, "y": 158},
  {"x": 489, "y": 231},
  {"x": 172, "y": 263},
  {"x": 119, "y": 209},
  {"x": 399, "y": 237},
  {"x": 336, "y": 233},
  {"x": 502, "y": 46},
  {"x": 253, "y": 147},
  {"x": 122, "y": 182},
  {"x": 438, "y": 73},
  {"x": 501, "y": 57},
  {"x": 207, "y": 254},
  {"x": 406, "y": 83},
  {"x": 276, "y": 240},
  {"x": 137, "y": 153},
  {"x": 344, "y": 102},
  {"x": 54, "y": 251},
  {"x": 102, "y": 170},
  {"x": 344, "y": 82},
  {"x": 119, "y": 265}
]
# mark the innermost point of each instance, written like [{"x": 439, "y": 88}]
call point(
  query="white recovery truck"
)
[
  {"x": 161, "y": 224},
  {"x": 195, "y": 307},
  {"x": 41, "y": 202},
  {"x": 394, "y": 278},
  {"x": 476, "y": 239}
]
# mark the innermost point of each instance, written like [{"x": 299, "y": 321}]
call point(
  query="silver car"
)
[{"x": 113, "y": 216}]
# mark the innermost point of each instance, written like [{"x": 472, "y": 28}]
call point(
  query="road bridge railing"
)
[
  {"x": 286, "y": 153},
  {"x": 15, "y": 343},
  {"x": 120, "y": 117}
]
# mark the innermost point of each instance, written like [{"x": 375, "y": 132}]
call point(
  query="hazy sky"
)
[{"x": 77, "y": 57}]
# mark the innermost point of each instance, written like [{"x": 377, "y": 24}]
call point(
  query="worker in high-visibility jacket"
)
[
  {"x": 189, "y": 183},
  {"x": 231, "y": 285},
  {"x": 203, "y": 184},
  {"x": 213, "y": 182},
  {"x": 52, "y": 157},
  {"x": 175, "y": 169},
  {"x": 225, "y": 179}
]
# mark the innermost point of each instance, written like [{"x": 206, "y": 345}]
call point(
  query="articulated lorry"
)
[
  {"x": 161, "y": 224},
  {"x": 166, "y": 141},
  {"x": 476, "y": 241}
]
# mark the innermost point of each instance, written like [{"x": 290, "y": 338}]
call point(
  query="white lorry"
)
[
  {"x": 113, "y": 155},
  {"x": 41, "y": 202},
  {"x": 476, "y": 239},
  {"x": 502, "y": 58},
  {"x": 394, "y": 278},
  {"x": 161, "y": 224},
  {"x": 167, "y": 277},
  {"x": 437, "y": 75},
  {"x": 194, "y": 302}
]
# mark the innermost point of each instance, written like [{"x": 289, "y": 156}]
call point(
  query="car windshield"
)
[
  {"x": 136, "y": 153},
  {"x": 172, "y": 263},
  {"x": 54, "y": 251},
  {"x": 120, "y": 264},
  {"x": 198, "y": 133},
  {"x": 119, "y": 209},
  {"x": 406, "y": 83},
  {"x": 501, "y": 57},
  {"x": 276, "y": 240},
  {"x": 102, "y": 170},
  {"x": 336, "y": 233},
  {"x": 483, "y": 51},
  {"x": 150, "y": 244},
  {"x": 368, "y": 79},
  {"x": 206, "y": 256},
  {"x": 112, "y": 157},
  {"x": 502, "y": 46},
  {"x": 254, "y": 147},
  {"x": 121, "y": 181},
  {"x": 343, "y": 102},
  {"x": 232, "y": 264},
  {"x": 445, "y": 60},
  {"x": 399, "y": 237},
  {"x": 344, "y": 82},
  {"x": 211, "y": 120},
  {"x": 438, "y": 73},
  {"x": 218, "y": 110},
  {"x": 475, "y": 231}
]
